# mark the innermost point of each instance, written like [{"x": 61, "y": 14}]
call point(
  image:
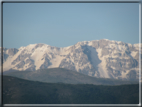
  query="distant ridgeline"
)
[{"x": 62, "y": 75}]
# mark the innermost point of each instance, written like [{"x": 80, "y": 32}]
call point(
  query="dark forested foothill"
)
[{"x": 20, "y": 91}]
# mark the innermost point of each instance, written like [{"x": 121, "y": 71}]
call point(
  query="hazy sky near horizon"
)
[{"x": 65, "y": 24}]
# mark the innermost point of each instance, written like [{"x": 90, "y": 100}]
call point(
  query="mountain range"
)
[{"x": 98, "y": 58}]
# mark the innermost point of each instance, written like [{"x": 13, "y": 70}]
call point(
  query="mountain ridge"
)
[{"x": 97, "y": 58}]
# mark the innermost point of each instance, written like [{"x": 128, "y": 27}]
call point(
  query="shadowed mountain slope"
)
[{"x": 57, "y": 75}]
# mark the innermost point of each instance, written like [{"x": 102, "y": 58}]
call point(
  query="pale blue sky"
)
[{"x": 65, "y": 24}]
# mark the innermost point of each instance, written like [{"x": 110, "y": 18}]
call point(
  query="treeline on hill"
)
[{"x": 20, "y": 91}]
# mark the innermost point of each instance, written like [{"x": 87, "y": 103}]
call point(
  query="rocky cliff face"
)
[{"x": 98, "y": 58}]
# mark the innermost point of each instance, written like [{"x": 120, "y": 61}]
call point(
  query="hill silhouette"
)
[{"x": 20, "y": 91}]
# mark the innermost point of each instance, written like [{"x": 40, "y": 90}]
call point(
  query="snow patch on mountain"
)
[
  {"x": 56, "y": 61},
  {"x": 102, "y": 66},
  {"x": 133, "y": 53}
]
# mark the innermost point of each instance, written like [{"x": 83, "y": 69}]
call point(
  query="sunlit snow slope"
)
[{"x": 98, "y": 58}]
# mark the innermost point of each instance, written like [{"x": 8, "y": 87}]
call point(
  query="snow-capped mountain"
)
[{"x": 98, "y": 58}]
